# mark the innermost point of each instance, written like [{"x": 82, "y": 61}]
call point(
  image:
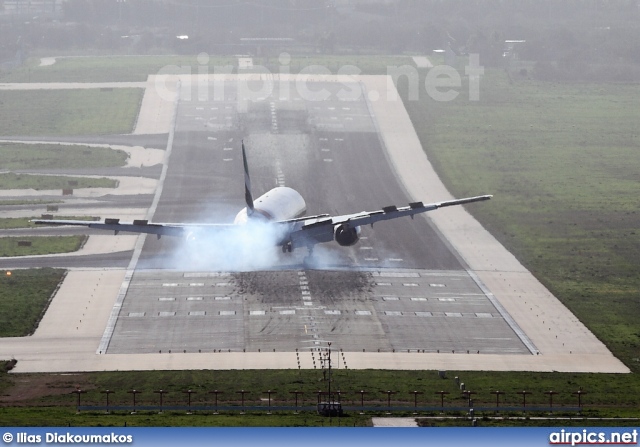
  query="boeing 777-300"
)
[{"x": 282, "y": 210}]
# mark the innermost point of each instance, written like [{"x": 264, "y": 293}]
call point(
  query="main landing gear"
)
[{"x": 287, "y": 248}]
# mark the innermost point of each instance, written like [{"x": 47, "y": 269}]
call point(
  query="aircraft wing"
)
[
  {"x": 321, "y": 229},
  {"x": 393, "y": 212},
  {"x": 137, "y": 226}
]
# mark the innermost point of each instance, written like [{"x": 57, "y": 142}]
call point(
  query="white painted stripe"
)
[
  {"x": 206, "y": 275},
  {"x": 257, "y": 312},
  {"x": 396, "y": 274},
  {"x": 227, "y": 313},
  {"x": 197, "y": 313}
]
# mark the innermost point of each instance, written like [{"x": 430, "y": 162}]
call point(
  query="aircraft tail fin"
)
[{"x": 247, "y": 183}]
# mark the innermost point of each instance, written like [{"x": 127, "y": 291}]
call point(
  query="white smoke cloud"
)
[{"x": 233, "y": 248}]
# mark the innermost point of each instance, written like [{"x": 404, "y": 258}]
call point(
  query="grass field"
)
[
  {"x": 47, "y": 182},
  {"x": 69, "y": 112},
  {"x": 136, "y": 69},
  {"x": 109, "y": 68},
  {"x": 23, "y": 298},
  {"x": 19, "y": 202},
  {"x": 50, "y": 402},
  {"x": 40, "y": 245},
  {"x": 563, "y": 162},
  {"x": 17, "y": 156}
]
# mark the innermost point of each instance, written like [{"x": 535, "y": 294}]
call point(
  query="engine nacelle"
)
[{"x": 346, "y": 236}]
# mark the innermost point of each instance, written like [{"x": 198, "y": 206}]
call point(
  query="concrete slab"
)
[
  {"x": 47, "y": 61},
  {"x": 158, "y": 104},
  {"x": 422, "y": 62},
  {"x": 394, "y": 422}
]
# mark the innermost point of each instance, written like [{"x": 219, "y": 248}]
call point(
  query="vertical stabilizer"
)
[{"x": 248, "y": 198}]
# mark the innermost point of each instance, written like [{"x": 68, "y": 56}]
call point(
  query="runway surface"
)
[{"x": 401, "y": 288}]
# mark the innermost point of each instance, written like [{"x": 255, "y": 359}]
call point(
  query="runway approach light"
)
[{"x": 9, "y": 274}]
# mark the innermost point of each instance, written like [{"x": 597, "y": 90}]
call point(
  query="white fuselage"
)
[{"x": 279, "y": 204}]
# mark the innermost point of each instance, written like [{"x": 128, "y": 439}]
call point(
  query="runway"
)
[
  {"x": 421, "y": 297},
  {"x": 410, "y": 286}
]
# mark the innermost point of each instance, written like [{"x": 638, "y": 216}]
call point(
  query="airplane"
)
[{"x": 282, "y": 210}]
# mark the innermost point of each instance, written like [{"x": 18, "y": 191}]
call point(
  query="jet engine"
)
[{"x": 346, "y": 236}]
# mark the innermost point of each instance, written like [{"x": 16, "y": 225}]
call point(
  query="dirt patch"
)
[{"x": 30, "y": 389}]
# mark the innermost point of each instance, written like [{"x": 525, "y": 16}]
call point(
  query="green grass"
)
[
  {"x": 20, "y": 202},
  {"x": 109, "y": 69},
  {"x": 46, "y": 182},
  {"x": 136, "y": 69},
  {"x": 56, "y": 405},
  {"x": 40, "y": 245},
  {"x": 23, "y": 298},
  {"x": 69, "y": 112},
  {"x": 563, "y": 162},
  {"x": 17, "y": 156}
]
